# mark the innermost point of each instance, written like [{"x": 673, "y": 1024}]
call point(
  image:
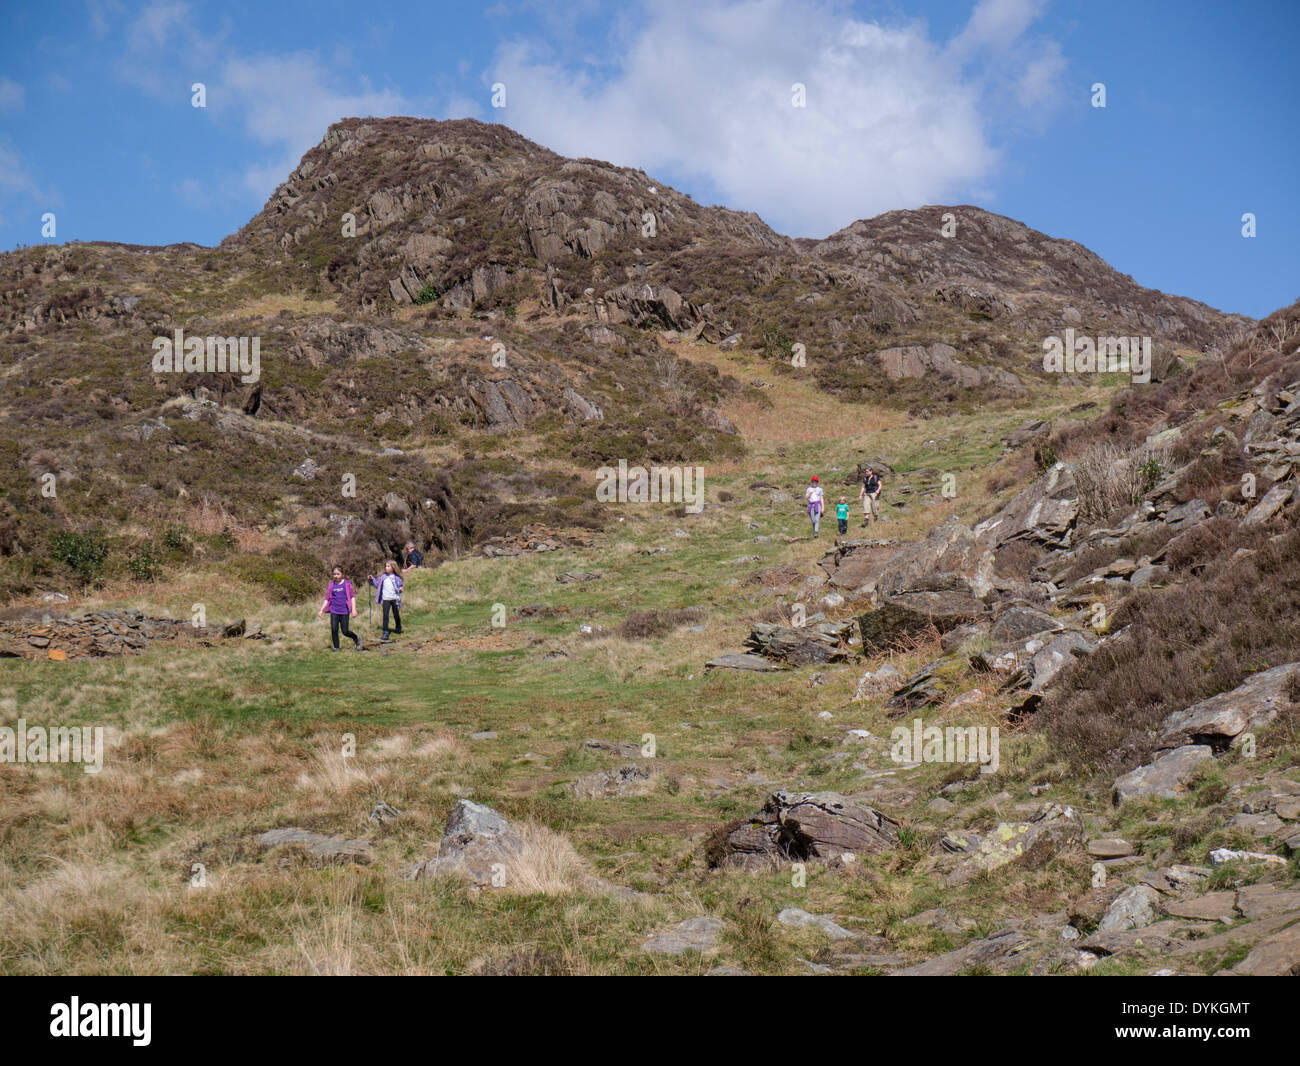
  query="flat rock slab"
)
[
  {"x": 999, "y": 951},
  {"x": 1259, "y": 901},
  {"x": 611, "y": 784},
  {"x": 1211, "y": 907},
  {"x": 801, "y": 919},
  {"x": 320, "y": 845},
  {"x": 1110, "y": 848},
  {"x": 734, "y": 661},
  {"x": 694, "y": 934},
  {"x": 1277, "y": 955}
]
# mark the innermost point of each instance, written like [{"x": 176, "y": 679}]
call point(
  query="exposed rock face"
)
[
  {"x": 1044, "y": 513},
  {"x": 803, "y": 825},
  {"x": 1133, "y": 908},
  {"x": 941, "y": 361},
  {"x": 911, "y": 612}
]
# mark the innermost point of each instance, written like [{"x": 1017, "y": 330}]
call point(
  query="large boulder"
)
[
  {"x": 794, "y": 826},
  {"x": 907, "y": 613},
  {"x": 475, "y": 840},
  {"x": 1167, "y": 777},
  {"x": 1220, "y": 719}
]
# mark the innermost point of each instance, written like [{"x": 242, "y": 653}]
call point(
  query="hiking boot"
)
[{"x": 358, "y": 643}]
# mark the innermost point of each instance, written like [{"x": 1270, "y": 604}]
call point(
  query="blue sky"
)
[{"x": 907, "y": 103}]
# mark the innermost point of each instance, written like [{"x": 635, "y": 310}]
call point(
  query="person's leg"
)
[
  {"x": 347, "y": 631},
  {"x": 387, "y": 607},
  {"x": 397, "y": 618},
  {"x": 334, "y": 630},
  {"x": 875, "y": 509}
]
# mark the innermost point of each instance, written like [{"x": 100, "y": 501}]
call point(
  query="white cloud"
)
[
  {"x": 893, "y": 119},
  {"x": 12, "y": 96},
  {"x": 287, "y": 102},
  {"x": 284, "y": 101}
]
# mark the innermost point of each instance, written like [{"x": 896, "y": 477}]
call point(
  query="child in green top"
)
[{"x": 842, "y": 515}]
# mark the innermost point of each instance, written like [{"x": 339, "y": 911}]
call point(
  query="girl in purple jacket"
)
[{"x": 341, "y": 602}]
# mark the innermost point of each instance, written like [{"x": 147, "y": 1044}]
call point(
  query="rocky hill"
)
[{"x": 463, "y": 324}]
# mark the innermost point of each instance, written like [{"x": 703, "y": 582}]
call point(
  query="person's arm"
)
[
  {"x": 862, "y": 490},
  {"x": 324, "y": 603}
]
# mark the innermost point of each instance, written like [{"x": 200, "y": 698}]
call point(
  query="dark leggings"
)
[
  {"x": 397, "y": 615},
  {"x": 339, "y": 622}
]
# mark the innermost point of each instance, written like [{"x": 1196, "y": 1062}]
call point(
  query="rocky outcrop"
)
[
  {"x": 1045, "y": 513},
  {"x": 795, "y": 826},
  {"x": 940, "y": 360},
  {"x": 819, "y": 642}
]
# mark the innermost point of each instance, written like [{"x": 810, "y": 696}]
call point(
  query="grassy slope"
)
[{"x": 213, "y": 747}]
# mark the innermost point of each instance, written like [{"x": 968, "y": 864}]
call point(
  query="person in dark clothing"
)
[
  {"x": 414, "y": 557},
  {"x": 341, "y": 602}
]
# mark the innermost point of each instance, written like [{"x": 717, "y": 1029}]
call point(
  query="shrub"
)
[
  {"x": 176, "y": 539},
  {"x": 142, "y": 564},
  {"x": 83, "y": 552},
  {"x": 1110, "y": 475}
]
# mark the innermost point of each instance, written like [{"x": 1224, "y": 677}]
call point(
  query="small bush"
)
[
  {"x": 142, "y": 564},
  {"x": 83, "y": 552}
]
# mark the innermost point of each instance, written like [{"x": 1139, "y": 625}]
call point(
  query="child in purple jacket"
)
[{"x": 341, "y": 602}]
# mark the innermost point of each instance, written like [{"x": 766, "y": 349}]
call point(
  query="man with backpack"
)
[{"x": 870, "y": 495}]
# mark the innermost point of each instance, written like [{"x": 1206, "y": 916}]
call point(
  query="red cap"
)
[{"x": 814, "y": 477}]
